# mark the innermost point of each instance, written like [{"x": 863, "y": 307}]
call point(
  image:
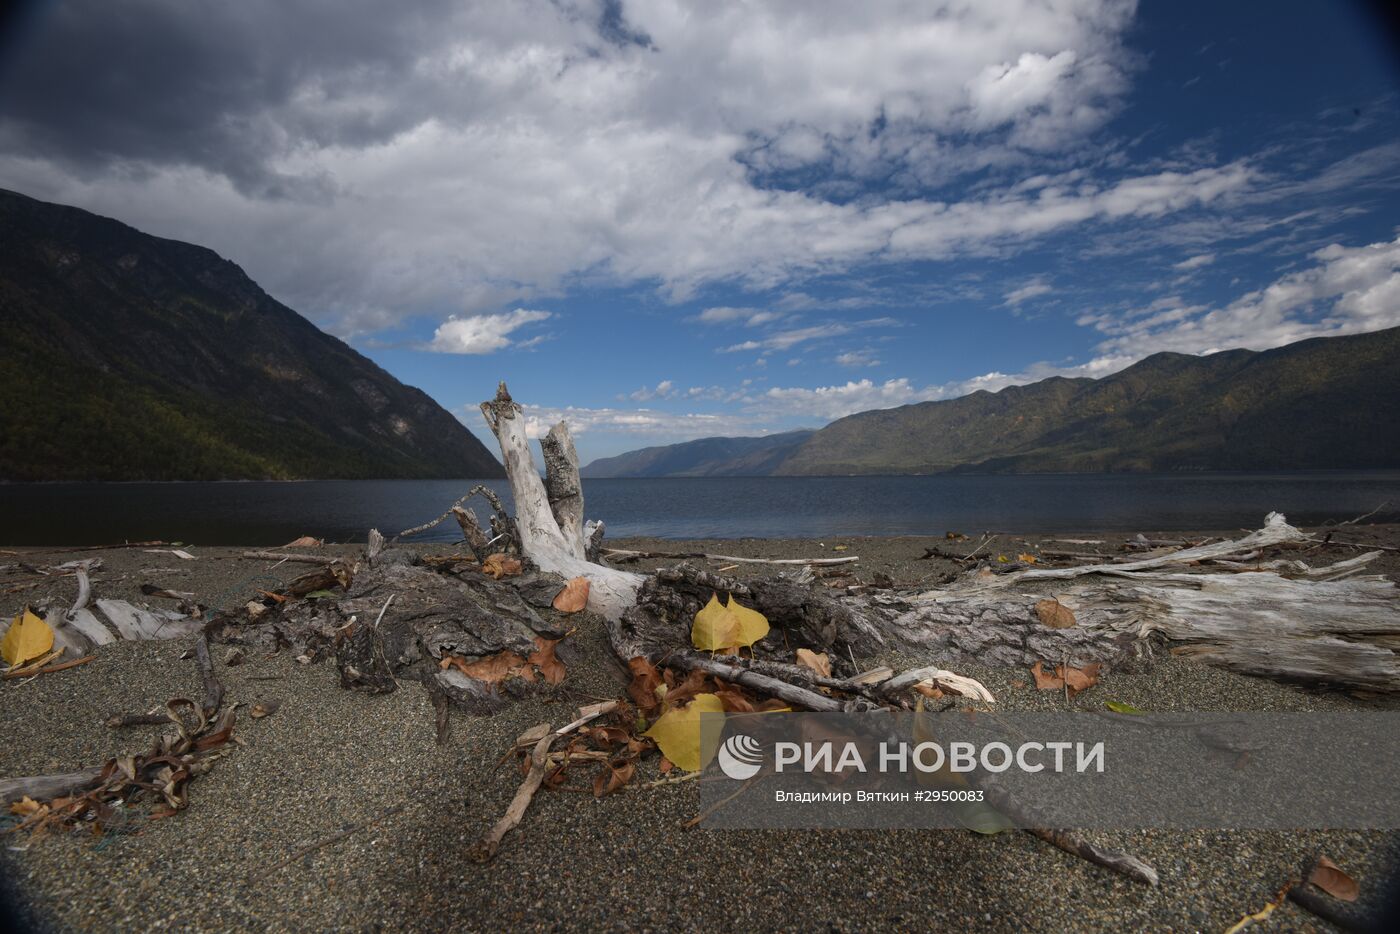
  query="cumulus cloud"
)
[
  {"x": 479, "y": 153},
  {"x": 662, "y": 390},
  {"x": 1346, "y": 290},
  {"x": 646, "y": 423},
  {"x": 482, "y": 334}
]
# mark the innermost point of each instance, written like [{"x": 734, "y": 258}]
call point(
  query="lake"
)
[{"x": 261, "y": 513}]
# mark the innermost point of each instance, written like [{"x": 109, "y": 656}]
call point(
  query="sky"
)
[{"x": 674, "y": 219}]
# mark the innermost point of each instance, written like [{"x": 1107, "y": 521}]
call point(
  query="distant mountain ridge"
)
[
  {"x": 703, "y": 457},
  {"x": 125, "y": 356},
  {"x": 1322, "y": 403}
]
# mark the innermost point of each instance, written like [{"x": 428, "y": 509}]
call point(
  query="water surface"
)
[{"x": 238, "y": 513}]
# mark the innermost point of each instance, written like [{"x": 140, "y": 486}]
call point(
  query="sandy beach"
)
[{"x": 330, "y": 760}]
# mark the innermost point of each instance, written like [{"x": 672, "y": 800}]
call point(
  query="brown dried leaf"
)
[
  {"x": 306, "y": 541},
  {"x": 573, "y": 597},
  {"x": 819, "y": 662},
  {"x": 645, "y": 680},
  {"x": 265, "y": 708},
  {"x": 1079, "y": 679},
  {"x": 501, "y": 565},
  {"x": 543, "y": 658},
  {"x": 613, "y": 778},
  {"x": 492, "y": 669},
  {"x": 1333, "y": 880},
  {"x": 928, "y": 690},
  {"x": 734, "y": 700},
  {"x": 1054, "y": 614}
]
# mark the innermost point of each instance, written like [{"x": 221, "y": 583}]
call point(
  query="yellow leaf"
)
[
  {"x": 1003, "y": 559},
  {"x": 753, "y": 625},
  {"x": 715, "y": 628},
  {"x": 28, "y": 637},
  {"x": 679, "y": 736},
  {"x": 1027, "y": 557}
]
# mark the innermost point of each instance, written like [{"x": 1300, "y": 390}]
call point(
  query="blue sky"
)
[{"x": 670, "y": 220}]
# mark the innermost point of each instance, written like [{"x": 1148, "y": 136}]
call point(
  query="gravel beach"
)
[{"x": 329, "y": 760}]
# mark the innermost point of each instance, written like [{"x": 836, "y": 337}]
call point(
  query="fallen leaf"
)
[
  {"x": 1120, "y": 707},
  {"x": 492, "y": 669},
  {"x": 612, "y": 779},
  {"x": 955, "y": 536},
  {"x": 981, "y": 817},
  {"x": 645, "y": 680},
  {"x": 28, "y": 637},
  {"x": 318, "y": 594},
  {"x": 1003, "y": 559},
  {"x": 264, "y": 708},
  {"x": 1044, "y": 682},
  {"x": 928, "y": 690},
  {"x": 573, "y": 597},
  {"x": 714, "y": 627},
  {"x": 277, "y": 597},
  {"x": 1027, "y": 557},
  {"x": 839, "y": 547},
  {"x": 306, "y": 541},
  {"x": 665, "y": 766},
  {"x": 819, "y": 662},
  {"x": 678, "y": 733},
  {"x": 1054, "y": 614},
  {"x": 543, "y": 658},
  {"x": 1078, "y": 679},
  {"x": 753, "y": 625},
  {"x": 501, "y": 565},
  {"x": 1330, "y": 877}
]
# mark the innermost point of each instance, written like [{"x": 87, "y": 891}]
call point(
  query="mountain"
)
[
  {"x": 705, "y": 457},
  {"x": 1322, "y": 403},
  {"x": 124, "y": 356}
]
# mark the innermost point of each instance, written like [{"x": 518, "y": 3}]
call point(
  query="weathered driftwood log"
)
[
  {"x": 1323, "y": 625},
  {"x": 552, "y": 547}
]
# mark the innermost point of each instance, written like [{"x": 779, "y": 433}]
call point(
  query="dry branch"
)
[{"x": 487, "y": 847}]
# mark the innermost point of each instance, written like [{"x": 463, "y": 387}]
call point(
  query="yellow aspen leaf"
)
[
  {"x": 753, "y": 625},
  {"x": 715, "y": 628},
  {"x": 27, "y": 638},
  {"x": 679, "y": 736}
]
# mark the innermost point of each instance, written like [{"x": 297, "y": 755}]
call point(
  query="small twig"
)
[
  {"x": 60, "y": 666},
  {"x": 487, "y": 846},
  {"x": 1368, "y": 515},
  {"x": 333, "y": 838},
  {"x": 280, "y": 557}
]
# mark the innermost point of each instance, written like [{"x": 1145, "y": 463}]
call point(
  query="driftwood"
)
[
  {"x": 46, "y": 787},
  {"x": 486, "y": 848},
  {"x": 622, "y": 556},
  {"x": 555, "y": 548},
  {"x": 283, "y": 556}
]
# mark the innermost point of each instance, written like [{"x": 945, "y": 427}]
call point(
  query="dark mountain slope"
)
[
  {"x": 1321, "y": 403},
  {"x": 704, "y": 457},
  {"x": 125, "y": 356}
]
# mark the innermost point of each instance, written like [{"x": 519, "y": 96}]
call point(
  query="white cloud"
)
[
  {"x": 751, "y": 317},
  {"x": 857, "y": 358},
  {"x": 662, "y": 390},
  {"x": 526, "y": 149},
  {"x": 1347, "y": 290},
  {"x": 1028, "y": 291},
  {"x": 482, "y": 334},
  {"x": 648, "y": 423},
  {"x": 1195, "y": 262},
  {"x": 832, "y": 402}
]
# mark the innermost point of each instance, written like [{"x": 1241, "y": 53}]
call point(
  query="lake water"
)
[{"x": 731, "y": 507}]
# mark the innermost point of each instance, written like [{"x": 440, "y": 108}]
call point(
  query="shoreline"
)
[{"x": 331, "y": 759}]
